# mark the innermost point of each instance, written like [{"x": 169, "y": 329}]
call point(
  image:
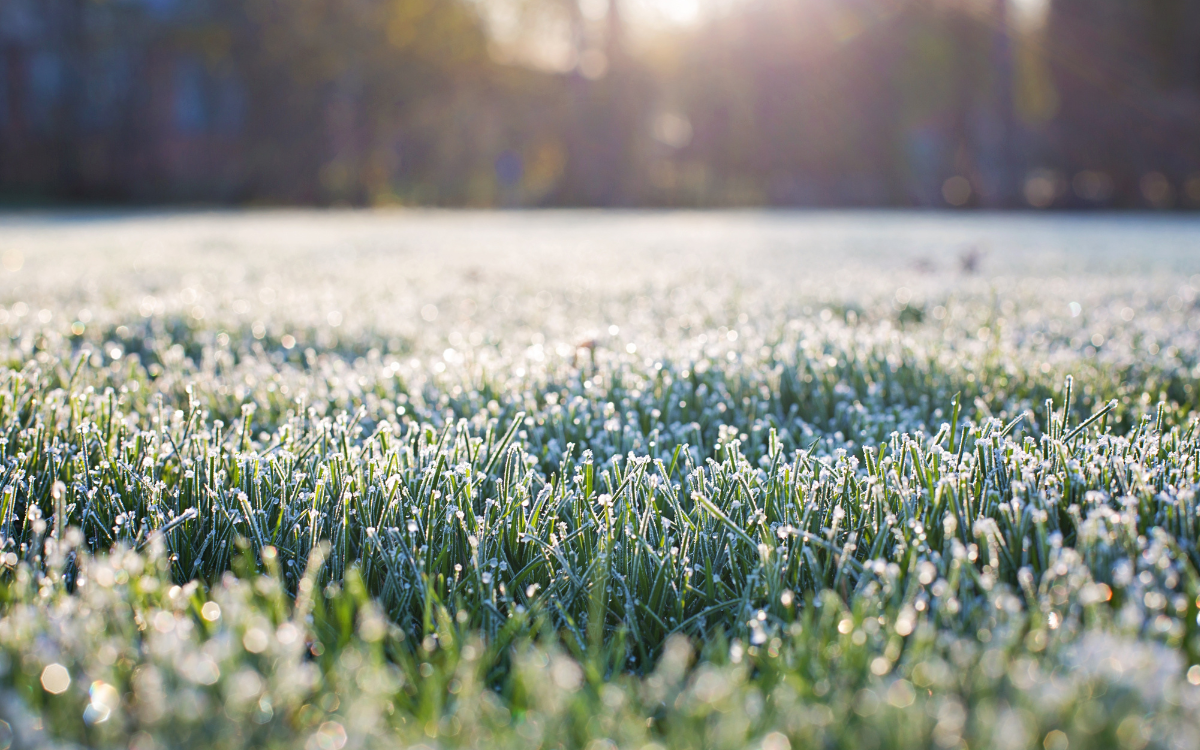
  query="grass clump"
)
[{"x": 131, "y": 658}]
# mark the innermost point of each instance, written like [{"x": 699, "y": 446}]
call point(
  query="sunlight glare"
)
[
  {"x": 679, "y": 11},
  {"x": 673, "y": 12},
  {"x": 1030, "y": 12}
]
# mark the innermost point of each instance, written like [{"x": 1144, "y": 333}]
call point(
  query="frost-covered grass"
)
[{"x": 356, "y": 496}]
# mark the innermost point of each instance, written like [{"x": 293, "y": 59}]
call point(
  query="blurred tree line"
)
[{"x": 999, "y": 103}]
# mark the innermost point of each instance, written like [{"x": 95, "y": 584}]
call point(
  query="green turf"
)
[{"x": 681, "y": 509}]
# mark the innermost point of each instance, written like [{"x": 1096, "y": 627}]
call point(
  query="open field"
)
[{"x": 599, "y": 480}]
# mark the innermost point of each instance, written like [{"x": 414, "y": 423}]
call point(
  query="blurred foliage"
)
[{"x": 551, "y": 102}]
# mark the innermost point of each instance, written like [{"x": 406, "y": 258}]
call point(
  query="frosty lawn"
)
[{"x": 734, "y": 499}]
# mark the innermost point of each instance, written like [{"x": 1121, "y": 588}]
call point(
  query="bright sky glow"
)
[
  {"x": 545, "y": 41},
  {"x": 1031, "y": 12},
  {"x": 686, "y": 12},
  {"x": 680, "y": 12},
  {"x": 653, "y": 12}
]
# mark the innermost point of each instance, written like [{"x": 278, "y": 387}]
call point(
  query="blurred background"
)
[{"x": 950, "y": 103}]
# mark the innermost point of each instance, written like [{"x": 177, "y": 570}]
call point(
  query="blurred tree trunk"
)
[
  {"x": 74, "y": 100},
  {"x": 614, "y": 37},
  {"x": 1007, "y": 164}
]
